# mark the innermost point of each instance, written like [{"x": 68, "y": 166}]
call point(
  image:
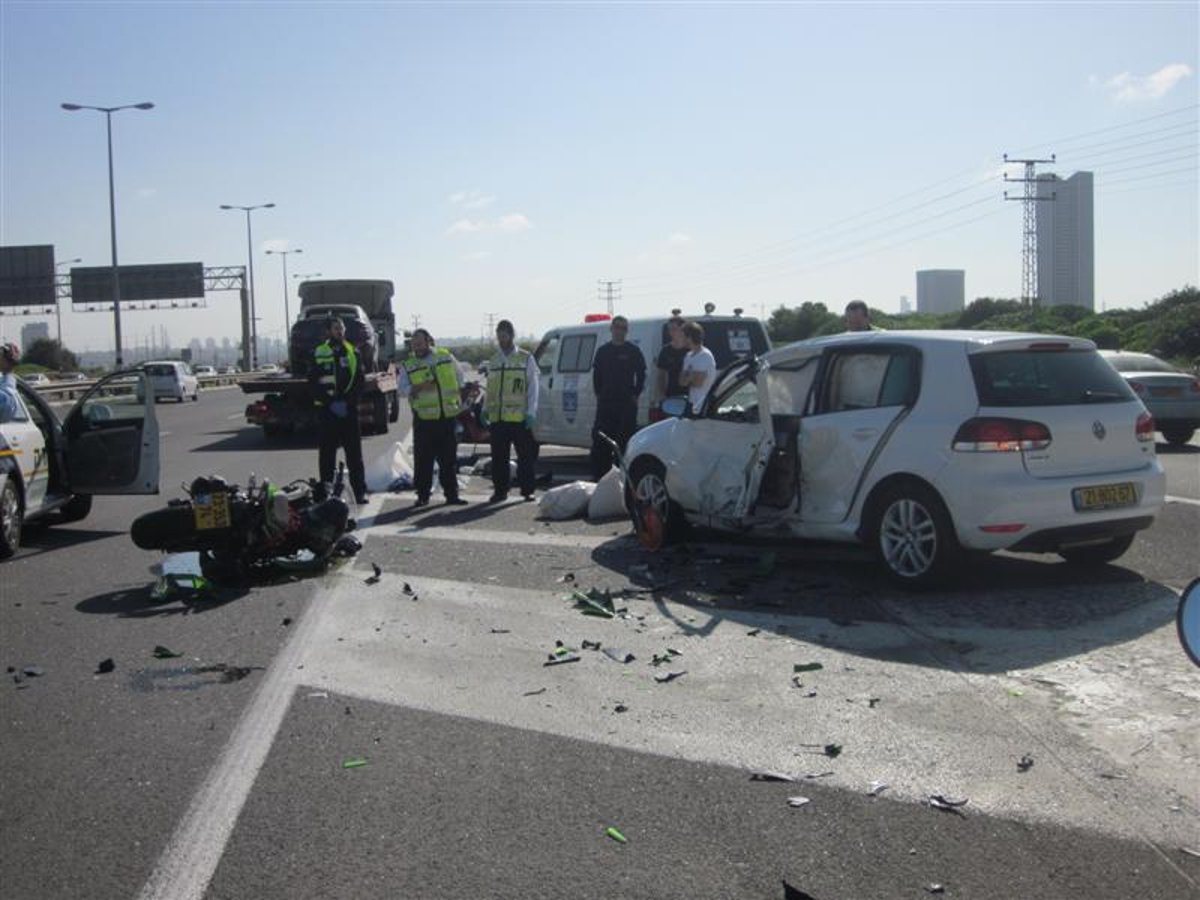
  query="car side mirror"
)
[
  {"x": 1188, "y": 620},
  {"x": 674, "y": 406}
]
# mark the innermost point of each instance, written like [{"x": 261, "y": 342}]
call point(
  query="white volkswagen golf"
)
[{"x": 922, "y": 445}]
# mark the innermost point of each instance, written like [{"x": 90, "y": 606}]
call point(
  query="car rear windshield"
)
[
  {"x": 168, "y": 371},
  {"x": 1046, "y": 378},
  {"x": 730, "y": 339}
]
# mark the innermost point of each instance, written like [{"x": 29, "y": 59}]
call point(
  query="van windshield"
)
[{"x": 731, "y": 339}]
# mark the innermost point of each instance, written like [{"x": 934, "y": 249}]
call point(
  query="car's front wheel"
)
[
  {"x": 914, "y": 537},
  {"x": 657, "y": 519},
  {"x": 1178, "y": 436},
  {"x": 1097, "y": 554},
  {"x": 10, "y": 518}
]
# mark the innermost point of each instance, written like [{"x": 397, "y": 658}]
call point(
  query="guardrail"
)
[{"x": 73, "y": 390}]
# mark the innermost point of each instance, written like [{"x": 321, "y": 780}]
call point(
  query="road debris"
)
[
  {"x": 590, "y": 645},
  {"x": 1190, "y": 852},
  {"x": 877, "y": 788},
  {"x": 540, "y": 690},
  {"x": 228, "y": 673},
  {"x": 664, "y": 677},
  {"x": 33, "y": 671},
  {"x": 568, "y": 578},
  {"x": 1025, "y": 763},
  {"x": 666, "y": 657},
  {"x": 356, "y": 763},
  {"x": 161, "y": 652},
  {"x": 792, "y": 893},
  {"x": 938, "y": 801},
  {"x": 833, "y": 751},
  {"x": 798, "y": 801},
  {"x": 753, "y": 631},
  {"x": 615, "y": 655},
  {"x": 595, "y": 603},
  {"x": 935, "y": 888},
  {"x": 500, "y": 631},
  {"x": 407, "y": 589},
  {"x": 770, "y": 776},
  {"x": 814, "y": 775},
  {"x": 616, "y": 835},
  {"x": 620, "y": 708},
  {"x": 560, "y": 659},
  {"x": 872, "y": 702},
  {"x": 286, "y": 622},
  {"x": 105, "y": 666},
  {"x": 377, "y": 573},
  {"x": 807, "y": 667},
  {"x": 317, "y": 694}
]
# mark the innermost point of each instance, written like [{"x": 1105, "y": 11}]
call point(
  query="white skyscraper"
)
[
  {"x": 941, "y": 290},
  {"x": 1066, "y": 257}
]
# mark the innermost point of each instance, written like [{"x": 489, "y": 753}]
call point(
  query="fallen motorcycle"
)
[{"x": 237, "y": 531}]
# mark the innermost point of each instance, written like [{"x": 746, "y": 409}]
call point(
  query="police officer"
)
[
  {"x": 432, "y": 384},
  {"x": 337, "y": 377},
  {"x": 10, "y": 355},
  {"x": 618, "y": 376},
  {"x": 512, "y": 399}
]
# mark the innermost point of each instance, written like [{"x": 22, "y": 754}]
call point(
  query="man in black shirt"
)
[
  {"x": 670, "y": 362},
  {"x": 618, "y": 376}
]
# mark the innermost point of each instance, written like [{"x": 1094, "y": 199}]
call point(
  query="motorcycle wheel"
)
[
  {"x": 221, "y": 566},
  {"x": 172, "y": 529}
]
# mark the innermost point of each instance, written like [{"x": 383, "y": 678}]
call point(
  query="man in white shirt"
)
[{"x": 699, "y": 366}]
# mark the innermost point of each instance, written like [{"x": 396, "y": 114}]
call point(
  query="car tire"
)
[
  {"x": 76, "y": 508},
  {"x": 912, "y": 534},
  {"x": 221, "y": 566},
  {"x": 11, "y": 516},
  {"x": 660, "y": 522},
  {"x": 1097, "y": 554},
  {"x": 1178, "y": 436}
]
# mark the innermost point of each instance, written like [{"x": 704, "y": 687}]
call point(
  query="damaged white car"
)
[{"x": 921, "y": 445}]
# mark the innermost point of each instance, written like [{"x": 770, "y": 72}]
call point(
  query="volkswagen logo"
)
[{"x": 1098, "y": 430}]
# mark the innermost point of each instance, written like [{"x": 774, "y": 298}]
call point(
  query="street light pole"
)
[
  {"x": 57, "y": 302},
  {"x": 112, "y": 213},
  {"x": 250, "y": 272},
  {"x": 287, "y": 314}
]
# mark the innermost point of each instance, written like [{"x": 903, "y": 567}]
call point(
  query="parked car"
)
[
  {"x": 51, "y": 468},
  {"x": 268, "y": 369},
  {"x": 921, "y": 445},
  {"x": 1171, "y": 395},
  {"x": 172, "y": 379},
  {"x": 204, "y": 371},
  {"x": 230, "y": 370},
  {"x": 72, "y": 376},
  {"x": 36, "y": 379}
]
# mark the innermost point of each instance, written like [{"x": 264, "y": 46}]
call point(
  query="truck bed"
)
[{"x": 287, "y": 384}]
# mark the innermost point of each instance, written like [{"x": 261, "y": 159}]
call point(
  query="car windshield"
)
[
  {"x": 1046, "y": 378},
  {"x": 1139, "y": 362}
]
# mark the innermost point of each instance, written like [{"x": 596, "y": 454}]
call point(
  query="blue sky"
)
[{"x": 503, "y": 158}]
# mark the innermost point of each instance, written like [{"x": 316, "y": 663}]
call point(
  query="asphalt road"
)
[{"x": 487, "y": 774}]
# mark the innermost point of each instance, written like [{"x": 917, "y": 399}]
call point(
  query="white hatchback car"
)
[{"x": 921, "y": 445}]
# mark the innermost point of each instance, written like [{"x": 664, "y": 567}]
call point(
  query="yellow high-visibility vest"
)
[
  {"x": 508, "y": 386},
  {"x": 442, "y": 403}
]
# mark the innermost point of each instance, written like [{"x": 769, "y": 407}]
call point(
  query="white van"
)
[
  {"x": 566, "y": 401},
  {"x": 172, "y": 379}
]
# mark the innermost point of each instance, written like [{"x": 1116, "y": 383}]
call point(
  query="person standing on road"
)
[
  {"x": 336, "y": 378},
  {"x": 618, "y": 376},
  {"x": 670, "y": 362},
  {"x": 10, "y": 355},
  {"x": 431, "y": 381},
  {"x": 699, "y": 366},
  {"x": 510, "y": 411}
]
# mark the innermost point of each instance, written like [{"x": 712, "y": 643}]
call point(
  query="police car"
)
[{"x": 51, "y": 467}]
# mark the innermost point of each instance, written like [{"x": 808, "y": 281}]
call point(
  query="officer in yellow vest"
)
[
  {"x": 336, "y": 377},
  {"x": 512, "y": 399},
  {"x": 431, "y": 382}
]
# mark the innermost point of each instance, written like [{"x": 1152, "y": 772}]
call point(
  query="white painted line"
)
[
  {"x": 485, "y": 536},
  {"x": 163, "y": 434},
  {"x": 1187, "y": 500},
  {"x": 240, "y": 415}
]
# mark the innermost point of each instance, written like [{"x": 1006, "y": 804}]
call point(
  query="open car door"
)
[{"x": 111, "y": 438}]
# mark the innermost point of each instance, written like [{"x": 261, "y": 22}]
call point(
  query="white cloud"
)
[
  {"x": 510, "y": 223},
  {"x": 1130, "y": 88},
  {"x": 679, "y": 238},
  {"x": 472, "y": 199}
]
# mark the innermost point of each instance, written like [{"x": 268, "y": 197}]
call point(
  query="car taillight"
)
[
  {"x": 1145, "y": 427},
  {"x": 994, "y": 435}
]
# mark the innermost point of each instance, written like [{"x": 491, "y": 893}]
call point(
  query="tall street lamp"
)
[
  {"x": 57, "y": 302},
  {"x": 250, "y": 254},
  {"x": 112, "y": 212},
  {"x": 287, "y": 316}
]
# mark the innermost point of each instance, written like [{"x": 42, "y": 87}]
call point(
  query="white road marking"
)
[
  {"x": 240, "y": 415},
  {"x": 1187, "y": 500},
  {"x": 163, "y": 434}
]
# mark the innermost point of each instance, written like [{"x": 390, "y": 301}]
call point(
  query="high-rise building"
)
[
  {"x": 33, "y": 331},
  {"x": 1066, "y": 258},
  {"x": 905, "y": 306},
  {"x": 941, "y": 290}
]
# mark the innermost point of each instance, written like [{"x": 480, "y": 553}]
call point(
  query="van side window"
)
[
  {"x": 576, "y": 353},
  {"x": 547, "y": 353}
]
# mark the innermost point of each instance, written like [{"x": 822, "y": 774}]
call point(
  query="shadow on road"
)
[
  {"x": 138, "y": 603},
  {"x": 38, "y": 537},
  {"x": 253, "y": 439},
  {"x": 1176, "y": 449},
  {"x": 1005, "y": 611}
]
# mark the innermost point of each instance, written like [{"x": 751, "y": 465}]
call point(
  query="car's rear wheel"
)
[
  {"x": 914, "y": 537},
  {"x": 657, "y": 519},
  {"x": 76, "y": 508},
  {"x": 1097, "y": 554},
  {"x": 1178, "y": 436},
  {"x": 10, "y": 517}
]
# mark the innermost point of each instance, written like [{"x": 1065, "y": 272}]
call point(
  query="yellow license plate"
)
[
  {"x": 211, "y": 511},
  {"x": 1105, "y": 496}
]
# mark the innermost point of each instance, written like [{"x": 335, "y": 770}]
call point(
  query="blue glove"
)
[
  {"x": 338, "y": 408},
  {"x": 529, "y": 420},
  {"x": 483, "y": 418}
]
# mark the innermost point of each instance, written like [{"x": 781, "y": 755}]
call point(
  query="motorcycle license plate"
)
[
  {"x": 1105, "y": 496},
  {"x": 211, "y": 511}
]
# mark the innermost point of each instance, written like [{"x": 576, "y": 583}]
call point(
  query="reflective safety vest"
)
[
  {"x": 327, "y": 381},
  {"x": 443, "y": 402},
  {"x": 507, "y": 386}
]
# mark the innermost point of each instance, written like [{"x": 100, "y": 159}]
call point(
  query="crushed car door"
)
[
  {"x": 862, "y": 395},
  {"x": 112, "y": 438}
]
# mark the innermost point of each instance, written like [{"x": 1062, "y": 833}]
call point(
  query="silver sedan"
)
[{"x": 1171, "y": 395}]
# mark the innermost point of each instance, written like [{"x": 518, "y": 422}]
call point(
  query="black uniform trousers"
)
[
  {"x": 505, "y": 436},
  {"x": 435, "y": 440},
  {"x": 342, "y": 433},
  {"x": 617, "y": 419}
]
